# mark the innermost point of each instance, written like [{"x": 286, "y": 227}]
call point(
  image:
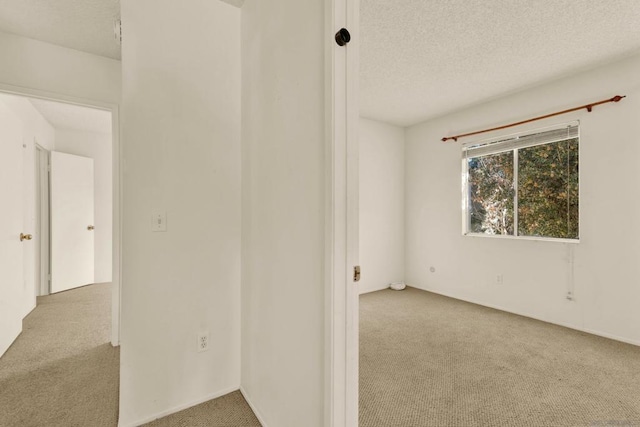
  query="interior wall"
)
[
  {"x": 33, "y": 64},
  {"x": 602, "y": 270},
  {"x": 381, "y": 204},
  {"x": 181, "y": 139},
  {"x": 97, "y": 146},
  {"x": 36, "y": 130},
  {"x": 283, "y": 187}
]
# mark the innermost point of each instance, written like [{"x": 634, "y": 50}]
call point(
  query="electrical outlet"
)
[
  {"x": 499, "y": 279},
  {"x": 203, "y": 341}
]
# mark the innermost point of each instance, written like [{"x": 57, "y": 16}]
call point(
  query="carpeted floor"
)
[
  {"x": 429, "y": 360},
  {"x": 425, "y": 360},
  {"x": 230, "y": 410},
  {"x": 63, "y": 372},
  {"x": 62, "y": 369}
]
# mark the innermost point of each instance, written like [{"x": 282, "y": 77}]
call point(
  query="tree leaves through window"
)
[{"x": 547, "y": 196}]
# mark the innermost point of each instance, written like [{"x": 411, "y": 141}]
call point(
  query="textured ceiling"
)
[
  {"x": 421, "y": 59},
  {"x": 73, "y": 117},
  {"x": 85, "y": 25}
]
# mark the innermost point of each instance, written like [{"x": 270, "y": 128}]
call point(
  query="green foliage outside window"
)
[
  {"x": 491, "y": 193},
  {"x": 547, "y": 191}
]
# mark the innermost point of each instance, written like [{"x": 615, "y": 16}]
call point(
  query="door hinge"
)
[
  {"x": 49, "y": 277},
  {"x": 117, "y": 31},
  {"x": 356, "y": 273}
]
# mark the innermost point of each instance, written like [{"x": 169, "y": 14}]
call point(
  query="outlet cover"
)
[{"x": 203, "y": 341}]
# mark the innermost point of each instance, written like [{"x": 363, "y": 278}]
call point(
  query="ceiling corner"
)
[{"x": 236, "y": 3}]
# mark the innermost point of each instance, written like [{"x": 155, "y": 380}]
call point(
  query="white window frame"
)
[{"x": 500, "y": 146}]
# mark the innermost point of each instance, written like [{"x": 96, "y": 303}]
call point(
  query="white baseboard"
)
[
  {"x": 29, "y": 310},
  {"x": 566, "y": 325},
  {"x": 610, "y": 336},
  {"x": 179, "y": 408},
  {"x": 253, "y": 408},
  {"x": 376, "y": 289}
]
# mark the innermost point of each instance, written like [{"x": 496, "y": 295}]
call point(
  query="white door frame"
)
[
  {"x": 43, "y": 206},
  {"x": 341, "y": 231},
  {"x": 117, "y": 186}
]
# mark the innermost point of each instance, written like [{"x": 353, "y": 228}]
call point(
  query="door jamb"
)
[
  {"x": 43, "y": 275},
  {"x": 117, "y": 187},
  {"x": 341, "y": 224}
]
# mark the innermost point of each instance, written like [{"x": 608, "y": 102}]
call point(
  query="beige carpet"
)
[
  {"x": 426, "y": 360},
  {"x": 226, "y": 411},
  {"x": 429, "y": 360},
  {"x": 62, "y": 369}
]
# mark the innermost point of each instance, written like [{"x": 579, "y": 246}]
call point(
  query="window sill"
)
[{"x": 532, "y": 238}]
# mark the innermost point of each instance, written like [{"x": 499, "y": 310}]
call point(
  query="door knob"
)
[
  {"x": 25, "y": 237},
  {"x": 90, "y": 228}
]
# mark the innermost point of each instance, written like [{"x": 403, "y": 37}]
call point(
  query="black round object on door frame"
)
[{"x": 343, "y": 37}]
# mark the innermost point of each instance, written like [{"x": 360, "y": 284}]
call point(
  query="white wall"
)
[
  {"x": 381, "y": 204},
  {"x": 181, "y": 139},
  {"x": 537, "y": 274},
  {"x": 97, "y": 146},
  {"x": 37, "y": 65},
  {"x": 283, "y": 160},
  {"x": 36, "y": 130}
]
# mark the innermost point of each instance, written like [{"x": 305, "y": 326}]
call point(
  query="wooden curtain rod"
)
[{"x": 589, "y": 108}]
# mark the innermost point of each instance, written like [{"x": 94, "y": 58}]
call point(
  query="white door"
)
[
  {"x": 72, "y": 261},
  {"x": 11, "y": 226}
]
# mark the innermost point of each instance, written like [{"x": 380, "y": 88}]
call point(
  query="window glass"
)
[
  {"x": 491, "y": 194},
  {"x": 524, "y": 185},
  {"x": 548, "y": 190}
]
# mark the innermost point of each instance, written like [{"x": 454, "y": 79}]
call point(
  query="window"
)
[{"x": 524, "y": 185}]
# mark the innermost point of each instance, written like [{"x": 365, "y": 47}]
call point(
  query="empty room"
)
[{"x": 498, "y": 143}]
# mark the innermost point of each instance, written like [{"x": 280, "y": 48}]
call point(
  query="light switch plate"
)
[{"x": 158, "y": 221}]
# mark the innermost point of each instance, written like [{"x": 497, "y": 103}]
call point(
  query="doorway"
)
[
  {"x": 81, "y": 130},
  {"x": 63, "y": 329}
]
